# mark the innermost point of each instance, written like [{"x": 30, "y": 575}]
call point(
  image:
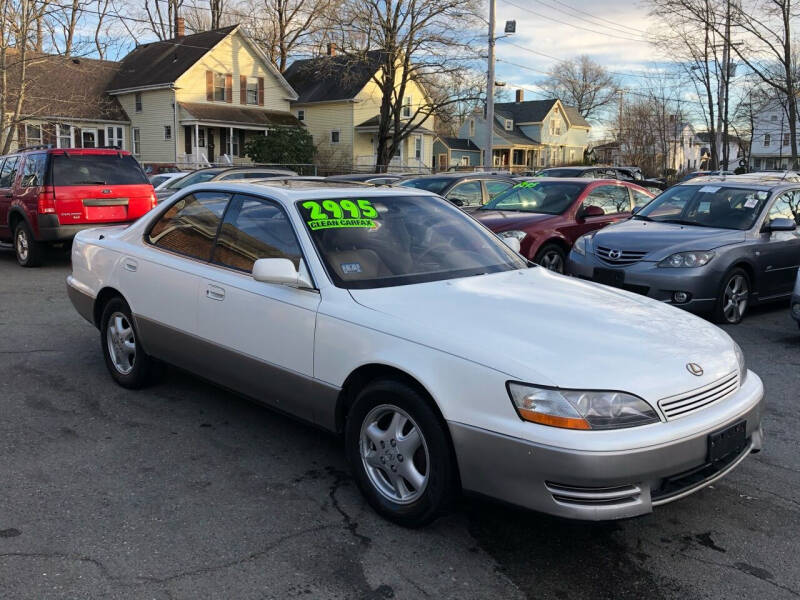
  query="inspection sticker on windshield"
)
[
  {"x": 751, "y": 203},
  {"x": 709, "y": 189},
  {"x": 351, "y": 268},
  {"x": 330, "y": 214}
]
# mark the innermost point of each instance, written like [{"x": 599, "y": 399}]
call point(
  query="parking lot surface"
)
[{"x": 186, "y": 491}]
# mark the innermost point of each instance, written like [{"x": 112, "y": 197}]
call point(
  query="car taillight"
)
[
  {"x": 47, "y": 201},
  {"x": 153, "y": 200}
]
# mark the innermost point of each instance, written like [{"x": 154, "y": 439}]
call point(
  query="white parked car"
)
[{"x": 445, "y": 359}]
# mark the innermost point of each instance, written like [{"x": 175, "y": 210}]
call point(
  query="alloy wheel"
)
[
  {"x": 735, "y": 298},
  {"x": 552, "y": 261},
  {"x": 22, "y": 246},
  {"x": 394, "y": 454},
  {"x": 121, "y": 343}
]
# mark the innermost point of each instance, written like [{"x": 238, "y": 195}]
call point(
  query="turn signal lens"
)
[{"x": 580, "y": 409}]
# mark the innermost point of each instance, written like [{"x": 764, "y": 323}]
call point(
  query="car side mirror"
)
[
  {"x": 456, "y": 201},
  {"x": 781, "y": 224},
  {"x": 280, "y": 271},
  {"x": 512, "y": 243},
  {"x": 591, "y": 211}
]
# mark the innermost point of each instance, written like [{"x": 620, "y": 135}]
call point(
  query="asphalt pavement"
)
[{"x": 186, "y": 491}]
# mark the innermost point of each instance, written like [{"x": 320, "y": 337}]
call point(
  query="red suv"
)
[
  {"x": 48, "y": 195},
  {"x": 547, "y": 215}
]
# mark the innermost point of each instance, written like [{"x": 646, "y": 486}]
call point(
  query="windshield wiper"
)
[
  {"x": 682, "y": 222},
  {"x": 642, "y": 217}
]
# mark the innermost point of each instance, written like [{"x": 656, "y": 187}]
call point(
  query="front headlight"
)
[
  {"x": 741, "y": 361},
  {"x": 580, "y": 409},
  {"x": 580, "y": 245},
  {"x": 515, "y": 233},
  {"x": 687, "y": 259}
]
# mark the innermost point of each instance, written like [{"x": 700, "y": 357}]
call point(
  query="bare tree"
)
[
  {"x": 582, "y": 83},
  {"x": 409, "y": 41},
  {"x": 160, "y": 17}
]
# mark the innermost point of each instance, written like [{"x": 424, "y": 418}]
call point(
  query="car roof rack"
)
[{"x": 36, "y": 147}]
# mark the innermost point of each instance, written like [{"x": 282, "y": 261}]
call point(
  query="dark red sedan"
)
[{"x": 547, "y": 215}]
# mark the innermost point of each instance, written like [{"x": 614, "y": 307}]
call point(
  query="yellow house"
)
[
  {"x": 339, "y": 102},
  {"x": 197, "y": 99}
]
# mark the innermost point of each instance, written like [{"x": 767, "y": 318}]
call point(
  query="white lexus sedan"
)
[{"x": 447, "y": 361}]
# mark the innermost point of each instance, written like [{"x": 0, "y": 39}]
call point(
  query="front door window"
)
[{"x": 89, "y": 138}]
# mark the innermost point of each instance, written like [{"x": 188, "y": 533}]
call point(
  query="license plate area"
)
[
  {"x": 612, "y": 277},
  {"x": 729, "y": 440}
]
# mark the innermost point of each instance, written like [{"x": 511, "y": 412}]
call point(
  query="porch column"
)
[
  {"x": 196, "y": 143},
  {"x": 230, "y": 144}
]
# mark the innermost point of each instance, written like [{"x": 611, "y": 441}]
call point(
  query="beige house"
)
[
  {"x": 198, "y": 98},
  {"x": 339, "y": 102}
]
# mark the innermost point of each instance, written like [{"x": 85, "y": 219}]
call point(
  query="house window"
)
[
  {"x": 509, "y": 124},
  {"x": 465, "y": 161},
  {"x": 167, "y": 132},
  {"x": 219, "y": 87},
  {"x": 335, "y": 136},
  {"x": 114, "y": 137},
  {"x": 773, "y": 118},
  {"x": 472, "y": 128},
  {"x": 301, "y": 115},
  {"x": 235, "y": 143},
  {"x": 407, "y": 107},
  {"x": 137, "y": 145},
  {"x": 418, "y": 147},
  {"x": 137, "y": 99},
  {"x": 786, "y": 139},
  {"x": 252, "y": 90},
  {"x": 33, "y": 135},
  {"x": 64, "y": 136},
  {"x": 766, "y": 139},
  {"x": 201, "y": 137},
  {"x": 571, "y": 155}
]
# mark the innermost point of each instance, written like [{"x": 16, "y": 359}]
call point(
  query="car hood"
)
[
  {"x": 548, "y": 329},
  {"x": 503, "y": 220},
  {"x": 660, "y": 240}
]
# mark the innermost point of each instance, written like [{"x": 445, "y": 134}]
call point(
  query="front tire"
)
[
  {"x": 125, "y": 358},
  {"x": 734, "y": 297},
  {"x": 552, "y": 258},
  {"x": 28, "y": 251},
  {"x": 399, "y": 453}
]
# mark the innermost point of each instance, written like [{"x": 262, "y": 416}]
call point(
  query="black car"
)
[
  {"x": 631, "y": 174},
  {"x": 371, "y": 178},
  {"x": 462, "y": 189},
  {"x": 220, "y": 174}
]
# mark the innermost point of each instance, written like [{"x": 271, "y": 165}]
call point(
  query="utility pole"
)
[
  {"x": 488, "y": 155},
  {"x": 722, "y": 95}
]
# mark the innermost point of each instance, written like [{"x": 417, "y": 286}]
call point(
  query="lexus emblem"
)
[
  {"x": 694, "y": 369},
  {"x": 614, "y": 254}
]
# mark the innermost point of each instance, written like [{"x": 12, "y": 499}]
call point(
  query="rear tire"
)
[
  {"x": 125, "y": 358},
  {"x": 733, "y": 298},
  {"x": 552, "y": 258},
  {"x": 28, "y": 251},
  {"x": 399, "y": 453}
]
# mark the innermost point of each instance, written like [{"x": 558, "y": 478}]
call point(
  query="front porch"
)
[
  {"x": 415, "y": 153},
  {"x": 516, "y": 158}
]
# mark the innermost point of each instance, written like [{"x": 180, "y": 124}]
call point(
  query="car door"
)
[
  {"x": 466, "y": 194},
  {"x": 779, "y": 251},
  {"x": 262, "y": 334},
  {"x": 160, "y": 278}
]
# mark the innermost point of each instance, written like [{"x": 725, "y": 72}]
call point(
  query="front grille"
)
[
  {"x": 688, "y": 402},
  {"x": 595, "y": 496},
  {"x": 625, "y": 257}
]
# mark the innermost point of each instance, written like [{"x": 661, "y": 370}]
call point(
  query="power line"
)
[
  {"x": 613, "y": 27},
  {"x": 578, "y": 10}
]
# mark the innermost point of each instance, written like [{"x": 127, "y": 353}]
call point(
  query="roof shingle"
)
[
  {"x": 226, "y": 113},
  {"x": 329, "y": 78}
]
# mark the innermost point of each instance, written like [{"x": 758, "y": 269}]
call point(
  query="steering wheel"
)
[{"x": 437, "y": 248}]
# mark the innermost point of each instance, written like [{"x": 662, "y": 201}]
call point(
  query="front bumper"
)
[
  {"x": 647, "y": 279},
  {"x": 599, "y": 485}
]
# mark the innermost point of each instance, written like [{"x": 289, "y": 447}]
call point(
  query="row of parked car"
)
[{"x": 712, "y": 244}]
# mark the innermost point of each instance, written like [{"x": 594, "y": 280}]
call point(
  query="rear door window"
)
[
  {"x": 190, "y": 226},
  {"x": 96, "y": 169},
  {"x": 468, "y": 193},
  {"x": 255, "y": 228},
  {"x": 493, "y": 188},
  {"x": 34, "y": 170},
  {"x": 8, "y": 172}
]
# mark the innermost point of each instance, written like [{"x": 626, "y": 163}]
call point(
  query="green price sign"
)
[
  {"x": 527, "y": 184},
  {"x": 339, "y": 213}
]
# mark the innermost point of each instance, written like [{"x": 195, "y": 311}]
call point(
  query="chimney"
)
[
  {"x": 180, "y": 27},
  {"x": 331, "y": 49},
  {"x": 520, "y": 95}
]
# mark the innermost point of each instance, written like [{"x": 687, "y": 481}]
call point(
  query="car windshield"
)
[
  {"x": 97, "y": 169},
  {"x": 707, "y": 206},
  {"x": 431, "y": 184},
  {"x": 388, "y": 241},
  {"x": 190, "y": 179},
  {"x": 549, "y": 197},
  {"x": 561, "y": 173}
]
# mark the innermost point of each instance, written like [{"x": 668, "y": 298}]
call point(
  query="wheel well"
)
[
  {"x": 555, "y": 241},
  {"x": 747, "y": 268},
  {"x": 13, "y": 218},
  {"x": 100, "y": 302}
]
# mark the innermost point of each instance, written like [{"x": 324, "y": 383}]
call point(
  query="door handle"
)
[
  {"x": 214, "y": 292},
  {"x": 130, "y": 265}
]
